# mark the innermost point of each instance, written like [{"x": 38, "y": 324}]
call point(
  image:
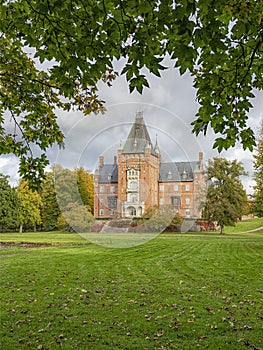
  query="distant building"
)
[{"x": 138, "y": 179}]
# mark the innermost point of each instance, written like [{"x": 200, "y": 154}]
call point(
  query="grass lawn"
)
[
  {"x": 245, "y": 225},
  {"x": 177, "y": 291}
]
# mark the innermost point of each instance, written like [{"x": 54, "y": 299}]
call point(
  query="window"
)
[
  {"x": 112, "y": 202},
  {"x": 101, "y": 212},
  {"x": 101, "y": 201},
  {"x": 161, "y": 188},
  {"x": 161, "y": 201},
  {"x": 175, "y": 188},
  {"x": 187, "y": 201},
  {"x": 112, "y": 189},
  {"x": 187, "y": 213},
  {"x": 184, "y": 175},
  {"x": 112, "y": 212},
  {"x": 101, "y": 189},
  {"x": 134, "y": 197},
  {"x": 176, "y": 200},
  {"x": 187, "y": 187},
  {"x": 133, "y": 185},
  {"x": 169, "y": 175}
]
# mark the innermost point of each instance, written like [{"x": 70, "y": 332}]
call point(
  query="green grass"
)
[
  {"x": 180, "y": 291},
  {"x": 245, "y": 225},
  {"x": 42, "y": 237}
]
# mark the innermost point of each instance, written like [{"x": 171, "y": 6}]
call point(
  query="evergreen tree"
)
[
  {"x": 50, "y": 210},
  {"x": 257, "y": 206},
  {"x": 226, "y": 196},
  {"x": 8, "y": 204},
  {"x": 29, "y": 206}
]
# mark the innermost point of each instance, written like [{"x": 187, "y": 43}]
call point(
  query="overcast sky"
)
[{"x": 169, "y": 106}]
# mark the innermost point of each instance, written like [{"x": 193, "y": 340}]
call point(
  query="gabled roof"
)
[
  {"x": 108, "y": 173},
  {"x": 178, "y": 171},
  {"x": 138, "y": 139}
]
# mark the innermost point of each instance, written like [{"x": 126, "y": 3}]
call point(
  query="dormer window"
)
[
  {"x": 185, "y": 175},
  {"x": 109, "y": 176},
  {"x": 169, "y": 175}
]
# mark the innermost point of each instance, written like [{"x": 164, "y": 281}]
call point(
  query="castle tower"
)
[
  {"x": 138, "y": 171},
  {"x": 139, "y": 179}
]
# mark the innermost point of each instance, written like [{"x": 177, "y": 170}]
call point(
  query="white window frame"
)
[
  {"x": 112, "y": 189},
  {"x": 176, "y": 188},
  {"x": 161, "y": 201},
  {"x": 187, "y": 201},
  {"x": 101, "y": 212},
  {"x": 161, "y": 188},
  {"x": 101, "y": 189},
  {"x": 187, "y": 188}
]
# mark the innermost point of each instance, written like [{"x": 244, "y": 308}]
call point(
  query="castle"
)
[{"x": 138, "y": 180}]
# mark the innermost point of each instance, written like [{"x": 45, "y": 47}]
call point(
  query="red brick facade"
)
[{"x": 138, "y": 180}]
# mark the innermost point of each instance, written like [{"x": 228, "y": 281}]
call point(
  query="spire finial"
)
[
  {"x": 139, "y": 115},
  {"x": 156, "y": 147}
]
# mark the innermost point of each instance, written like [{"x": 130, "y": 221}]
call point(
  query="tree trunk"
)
[
  {"x": 35, "y": 228},
  {"x": 21, "y": 228},
  {"x": 222, "y": 231}
]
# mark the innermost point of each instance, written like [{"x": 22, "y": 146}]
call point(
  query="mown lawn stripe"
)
[{"x": 183, "y": 292}]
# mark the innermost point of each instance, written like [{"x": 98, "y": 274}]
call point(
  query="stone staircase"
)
[{"x": 116, "y": 226}]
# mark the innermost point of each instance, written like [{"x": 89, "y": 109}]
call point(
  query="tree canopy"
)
[
  {"x": 218, "y": 42},
  {"x": 30, "y": 203},
  {"x": 9, "y": 205},
  {"x": 226, "y": 197}
]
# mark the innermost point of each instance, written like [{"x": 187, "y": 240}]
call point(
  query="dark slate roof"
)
[
  {"x": 177, "y": 171},
  {"x": 138, "y": 138},
  {"x": 108, "y": 173}
]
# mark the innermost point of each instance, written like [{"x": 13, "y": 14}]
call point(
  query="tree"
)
[
  {"x": 76, "y": 218},
  {"x": 73, "y": 186},
  {"x": 226, "y": 196},
  {"x": 29, "y": 206},
  {"x": 66, "y": 187},
  {"x": 257, "y": 206},
  {"x": 86, "y": 188},
  {"x": 157, "y": 219},
  {"x": 8, "y": 204},
  {"x": 50, "y": 210},
  {"x": 218, "y": 42}
]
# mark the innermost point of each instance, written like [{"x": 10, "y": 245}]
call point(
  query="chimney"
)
[
  {"x": 115, "y": 160},
  {"x": 101, "y": 161}
]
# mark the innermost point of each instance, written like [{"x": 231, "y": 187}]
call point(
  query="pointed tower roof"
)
[
  {"x": 156, "y": 147},
  {"x": 138, "y": 138}
]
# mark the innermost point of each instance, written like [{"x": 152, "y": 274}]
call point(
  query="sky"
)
[{"x": 169, "y": 106}]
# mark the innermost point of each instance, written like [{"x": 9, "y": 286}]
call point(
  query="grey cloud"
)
[{"x": 169, "y": 107}]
